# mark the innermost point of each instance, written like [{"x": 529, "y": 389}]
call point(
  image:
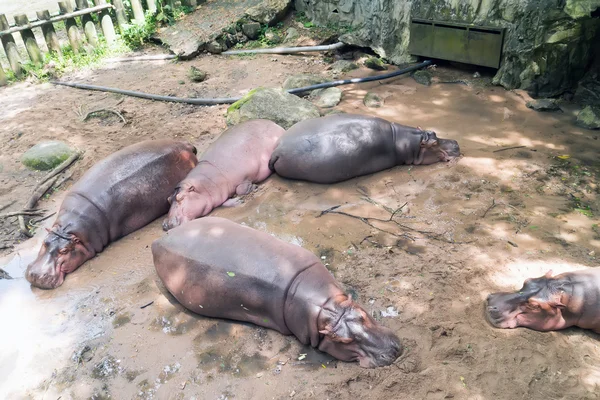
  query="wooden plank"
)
[
  {"x": 3, "y": 79},
  {"x": 108, "y": 29},
  {"x": 35, "y": 54},
  {"x": 121, "y": 14},
  {"x": 73, "y": 34},
  {"x": 49, "y": 33},
  {"x": 10, "y": 47},
  {"x": 7, "y": 30},
  {"x": 88, "y": 24},
  {"x": 151, "y": 6},
  {"x": 138, "y": 11}
]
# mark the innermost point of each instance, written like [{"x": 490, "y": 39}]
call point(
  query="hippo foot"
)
[{"x": 233, "y": 202}]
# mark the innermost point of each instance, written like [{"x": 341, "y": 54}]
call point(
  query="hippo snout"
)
[{"x": 44, "y": 280}]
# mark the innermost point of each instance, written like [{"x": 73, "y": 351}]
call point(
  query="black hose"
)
[{"x": 230, "y": 100}]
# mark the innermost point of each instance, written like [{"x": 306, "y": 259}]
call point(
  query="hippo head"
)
[
  {"x": 350, "y": 334},
  {"x": 538, "y": 305},
  {"x": 434, "y": 149},
  {"x": 186, "y": 204},
  {"x": 61, "y": 254}
]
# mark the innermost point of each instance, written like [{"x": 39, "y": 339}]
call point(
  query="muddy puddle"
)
[{"x": 419, "y": 247}]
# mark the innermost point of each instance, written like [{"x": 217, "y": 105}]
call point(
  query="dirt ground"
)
[{"x": 464, "y": 230}]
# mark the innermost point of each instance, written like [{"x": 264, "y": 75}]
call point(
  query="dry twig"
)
[
  {"x": 22, "y": 212},
  {"x": 508, "y": 148}
]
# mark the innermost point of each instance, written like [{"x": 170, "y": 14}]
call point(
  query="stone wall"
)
[{"x": 548, "y": 47}]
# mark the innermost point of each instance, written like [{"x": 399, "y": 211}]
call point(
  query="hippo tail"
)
[{"x": 272, "y": 161}]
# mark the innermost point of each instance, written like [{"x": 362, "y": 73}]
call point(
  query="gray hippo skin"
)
[
  {"x": 118, "y": 195},
  {"x": 230, "y": 166},
  {"x": 550, "y": 303},
  {"x": 218, "y": 268},
  {"x": 343, "y": 146}
]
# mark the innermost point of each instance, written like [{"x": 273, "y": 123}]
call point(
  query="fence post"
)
[
  {"x": 88, "y": 24},
  {"x": 151, "y": 6},
  {"x": 3, "y": 80},
  {"x": 10, "y": 47},
  {"x": 49, "y": 33},
  {"x": 121, "y": 14},
  {"x": 107, "y": 25},
  {"x": 72, "y": 31},
  {"x": 138, "y": 11},
  {"x": 31, "y": 45}
]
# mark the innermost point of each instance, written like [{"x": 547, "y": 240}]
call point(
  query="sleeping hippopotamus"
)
[
  {"x": 218, "y": 268},
  {"x": 550, "y": 303},
  {"x": 230, "y": 166},
  {"x": 343, "y": 146},
  {"x": 120, "y": 194}
]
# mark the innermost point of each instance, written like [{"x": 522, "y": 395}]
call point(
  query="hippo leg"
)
[
  {"x": 245, "y": 188},
  {"x": 233, "y": 202}
]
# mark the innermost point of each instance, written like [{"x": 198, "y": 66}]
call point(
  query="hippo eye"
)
[{"x": 63, "y": 251}]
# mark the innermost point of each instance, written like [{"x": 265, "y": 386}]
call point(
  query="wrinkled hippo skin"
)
[
  {"x": 338, "y": 147},
  {"x": 218, "y": 268},
  {"x": 550, "y": 303},
  {"x": 120, "y": 194},
  {"x": 230, "y": 166}
]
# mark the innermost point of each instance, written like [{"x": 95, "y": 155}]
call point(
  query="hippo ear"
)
[
  {"x": 75, "y": 239},
  {"x": 347, "y": 302},
  {"x": 48, "y": 230}
]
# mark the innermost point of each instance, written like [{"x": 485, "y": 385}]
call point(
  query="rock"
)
[
  {"x": 375, "y": 63},
  {"x": 373, "y": 100},
  {"x": 302, "y": 80},
  {"x": 423, "y": 77},
  {"x": 215, "y": 47},
  {"x": 269, "y": 11},
  {"x": 333, "y": 112},
  {"x": 241, "y": 38},
  {"x": 46, "y": 155},
  {"x": 4, "y": 274},
  {"x": 252, "y": 30},
  {"x": 588, "y": 89},
  {"x": 547, "y": 47},
  {"x": 343, "y": 66},
  {"x": 543, "y": 105},
  {"x": 196, "y": 75},
  {"x": 327, "y": 98},
  {"x": 230, "y": 40},
  {"x": 274, "y": 104},
  {"x": 273, "y": 37},
  {"x": 589, "y": 118},
  {"x": 292, "y": 34}
]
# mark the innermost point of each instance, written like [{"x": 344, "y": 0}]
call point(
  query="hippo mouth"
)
[{"x": 496, "y": 318}]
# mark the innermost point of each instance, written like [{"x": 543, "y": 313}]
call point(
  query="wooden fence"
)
[{"x": 109, "y": 11}]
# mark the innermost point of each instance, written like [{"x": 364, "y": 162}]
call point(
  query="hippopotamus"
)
[
  {"x": 338, "y": 147},
  {"x": 550, "y": 303},
  {"x": 230, "y": 166},
  {"x": 218, "y": 268},
  {"x": 118, "y": 195}
]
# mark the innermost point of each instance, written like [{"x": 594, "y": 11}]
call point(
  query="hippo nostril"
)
[{"x": 492, "y": 308}]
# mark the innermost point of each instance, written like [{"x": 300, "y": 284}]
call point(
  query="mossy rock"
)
[
  {"x": 46, "y": 155},
  {"x": 375, "y": 63},
  {"x": 423, "y": 77},
  {"x": 589, "y": 118},
  {"x": 373, "y": 100},
  {"x": 196, "y": 75}
]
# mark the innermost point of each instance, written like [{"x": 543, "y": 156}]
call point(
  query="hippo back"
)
[
  {"x": 128, "y": 189},
  {"x": 218, "y": 268},
  {"x": 334, "y": 148}
]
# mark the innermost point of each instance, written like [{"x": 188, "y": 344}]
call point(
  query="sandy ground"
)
[{"x": 434, "y": 264}]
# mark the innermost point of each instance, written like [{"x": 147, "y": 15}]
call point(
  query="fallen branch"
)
[
  {"x": 7, "y": 205},
  {"x": 108, "y": 110},
  {"x": 509, "y": 148},
  {"x": 22, "y": 212},
  {"x": 64, "y": 165},
  {"x": 37, "y": 221},
  {"x": 35, "y": 197},
  {"x": 65, "y": 178},
  {"x": 489, "y": 208}
]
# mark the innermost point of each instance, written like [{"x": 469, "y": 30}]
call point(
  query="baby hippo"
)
[
  {"x": 550, "y": 303},
  {"x": 218, "y": 268},
  {"x": 230, "y": 166}
]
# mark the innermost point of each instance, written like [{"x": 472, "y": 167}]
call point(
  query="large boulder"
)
[
  {"x": 547, "y": 47},
  {"x": 543, "y": 105},
  {"x": 589, "y": 118},
  {"x": 46, "y": 155},
  {"x": 269, "y": 11},
  {"x": 273, "y": 104}
]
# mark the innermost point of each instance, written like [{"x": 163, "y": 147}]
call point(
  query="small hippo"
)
[
  {"x": 118, "y": 195},
  {"x": 218, "y": 268},
  {"x": 343, "y": 146},
  {"x": 550, "y": 303},
  {"x": 230, "y": 166}
]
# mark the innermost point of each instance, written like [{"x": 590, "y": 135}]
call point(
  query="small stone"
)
[
  {"x": 333, "y": 112},
  {"x": 214, "y": 47},
  {"x": 302, "y": 80},
  {"x": 423, "y": 77},
  {"x": 327, "y": 98},
  {"x": 273, "y": 37},
  {"x": 343, "y": 66},
  {"x": 241, "y": 38},
  {"x": 589, "y": 118},
  {"x": 46, "y": 155},
  {"x": 293, "y": 393},
  {"x": 373, "y": 100},
  {"x": 375, "y": 63},
  {"x": 252, "y": 30},
  {"x": 292, "y": 34},
  {"x": 543, "y": 105},
  {"x": 476, "y": 75}
]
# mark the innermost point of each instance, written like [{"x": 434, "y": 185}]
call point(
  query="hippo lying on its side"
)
[
  {"x": 120, "y": 194},
  {"x": 231, "y": 165},
  {"x": 218, "y": 268},
  {"x": 550, "y": 303},
  {"x": 343, "y": 146}
]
